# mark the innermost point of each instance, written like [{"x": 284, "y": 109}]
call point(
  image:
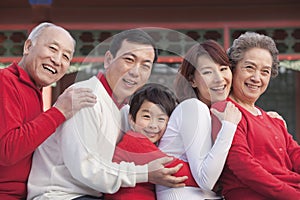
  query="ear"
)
[
  {"x": 27, "y": 47},
  {"x": 193, "y": 83},
  {"x": 108, "y": 57},
  {"x": 131, "y": 122}
]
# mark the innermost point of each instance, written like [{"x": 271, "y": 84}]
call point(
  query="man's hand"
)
[
  {"x": 158, "y": 174},
  {"x": 73, "y": 99}
]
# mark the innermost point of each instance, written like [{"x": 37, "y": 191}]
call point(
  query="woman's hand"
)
[
  {"x": 226, "y": 111},
  {"x": 274, "y": 114}
]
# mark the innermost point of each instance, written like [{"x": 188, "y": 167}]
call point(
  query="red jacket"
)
[
  {"x": 23, "y": 127},
  {"x": 263, "y": 161},
  {"x": 135, "y": 147}
]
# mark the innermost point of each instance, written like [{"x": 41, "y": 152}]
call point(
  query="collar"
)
[
  {"x": 107, "y": 87},
  {"x": 23, "y": 75}
]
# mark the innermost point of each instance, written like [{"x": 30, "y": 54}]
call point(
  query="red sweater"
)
[
  {"x": 135, "y": 147},
  {"x": 263, "y": 162},
  {"x": 23, "y": 127}
]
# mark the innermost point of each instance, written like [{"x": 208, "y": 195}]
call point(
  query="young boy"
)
[{"x": 150, "y": 109}]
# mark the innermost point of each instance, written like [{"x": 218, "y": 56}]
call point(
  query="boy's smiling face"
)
[{"x": 151, "y": 121}]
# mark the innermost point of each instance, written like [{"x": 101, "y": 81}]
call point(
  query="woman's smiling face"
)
[
  {"x": 252, "y": 75},
  {"x": 212, "y": 80}
]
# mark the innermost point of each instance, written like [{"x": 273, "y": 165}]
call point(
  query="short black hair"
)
[
  {"x": 155, "y": 93},
  {"x": 133, "y": 35}
]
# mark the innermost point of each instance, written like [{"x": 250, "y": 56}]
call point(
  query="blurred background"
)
[{"x": 92, "y": 22}]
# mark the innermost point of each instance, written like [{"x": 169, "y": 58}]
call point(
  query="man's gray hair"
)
[{"x": 36, "y": 31}]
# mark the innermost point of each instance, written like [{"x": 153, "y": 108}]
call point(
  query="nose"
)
[
  {"x": 153, "y": 125},
  {"x": 56, "y": 58},
  {"x": 255, "y": 76},
  {"x": 218, "y": 77},
  {"x": 134, "y": 71}
]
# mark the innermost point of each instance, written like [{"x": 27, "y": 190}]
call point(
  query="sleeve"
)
[
  {"x": 18, "y": 137},
  {"x": 125, "y": 126},
  {"x": 137, "y": 149},
  {"x": 206, "y": 161},
  {"x": 293, "y": 150},
  {"x": 183, "y": 171},
  {"x": 93, "y": 164},
  {"x": 215, "y": 122},
  {"x": 142, "y": 150},
  {"x": 250, "y": 172}
]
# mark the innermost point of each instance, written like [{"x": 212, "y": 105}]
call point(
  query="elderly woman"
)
[{"x": 264, "y": 160}]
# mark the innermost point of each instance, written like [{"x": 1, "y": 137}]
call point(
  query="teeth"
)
[
  {"x": 253, "y": 86},
  {"x": 129, "y": 82},
  {"x": 218, "y": 88},
  {"x": 50, "y": 69}
]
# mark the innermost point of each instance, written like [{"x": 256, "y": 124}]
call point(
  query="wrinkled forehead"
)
[{"x": 58, "y": 36}]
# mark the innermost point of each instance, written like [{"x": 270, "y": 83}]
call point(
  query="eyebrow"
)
[
  {"x": 57, "y": 44},
  {"x": 145, "y": 110},
  {"x": 135, "y": 56},
  {"x": 250, "y": 62},
  {"x": 148, "y": 111},
  {"x": 204, "y": 67}
]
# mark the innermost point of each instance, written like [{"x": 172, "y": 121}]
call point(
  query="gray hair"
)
[
  {"x": 36, "y": 31},
  {"x": 251, "y": 40}
]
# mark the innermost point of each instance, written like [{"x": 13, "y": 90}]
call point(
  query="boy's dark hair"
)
[
  {"x": 133, "y": 35},
  {"x": 155, "y": 93}
]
